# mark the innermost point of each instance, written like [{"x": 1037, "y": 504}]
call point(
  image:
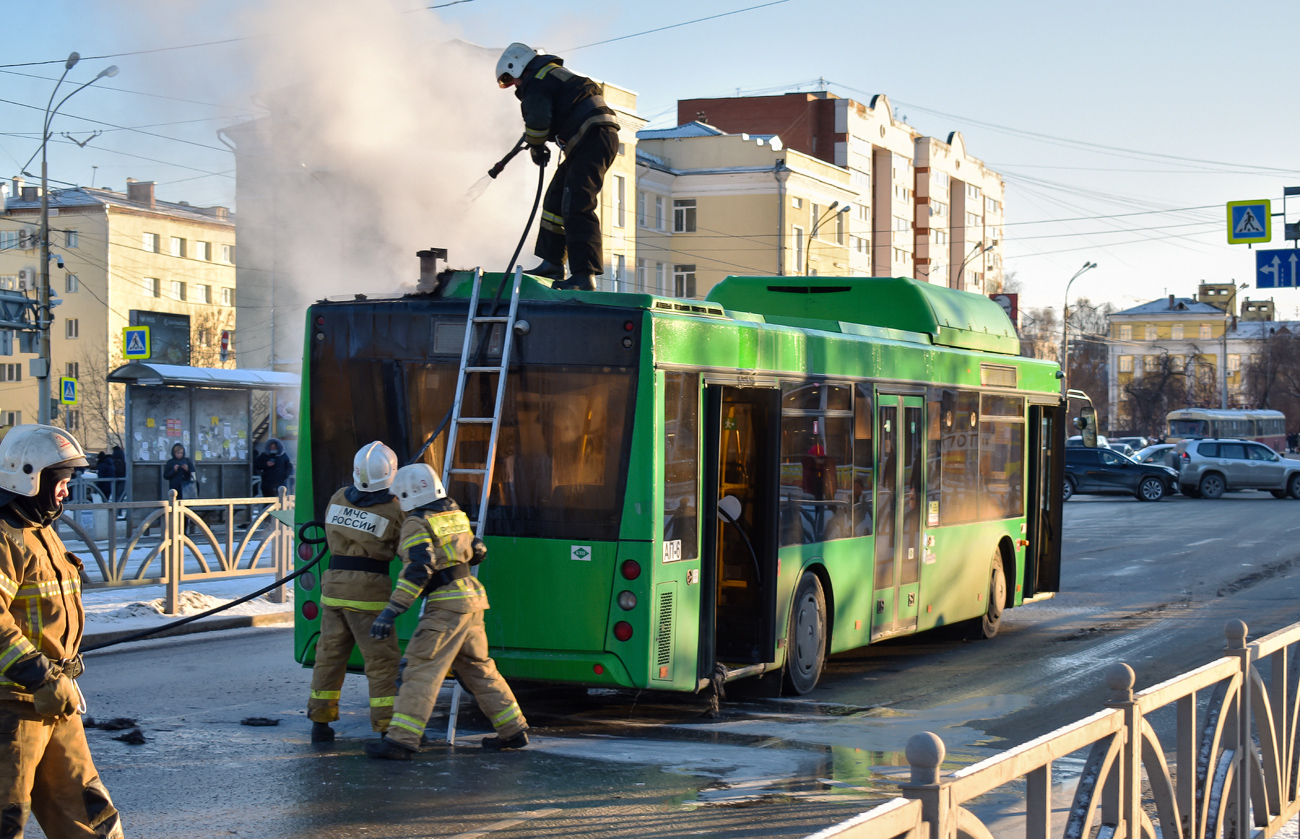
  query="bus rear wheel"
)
[
  {"x": 805, "y": 650},
  {"x": 992, "y": 620}
]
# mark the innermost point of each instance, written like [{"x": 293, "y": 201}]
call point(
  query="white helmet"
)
[
  {"x": 417, "y": 485},
  {"x": 373, "y": 467},
  {"x": 512, "y": 62},
  {"x": 27, "y": 449}
]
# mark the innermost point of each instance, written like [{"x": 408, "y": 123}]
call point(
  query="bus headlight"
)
[{"x": 626, "y": 601}]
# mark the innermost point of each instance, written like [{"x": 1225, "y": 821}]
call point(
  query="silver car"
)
[{"x": 1208, "y": 468}]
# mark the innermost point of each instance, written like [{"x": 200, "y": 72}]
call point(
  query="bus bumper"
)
[{"x": 587, "y": 668}]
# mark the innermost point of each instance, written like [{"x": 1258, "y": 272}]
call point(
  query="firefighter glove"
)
[
  {"x": 383, "y": 625},
  {"x": 480, "y": 552},
  {"x": 56, "y": 698},
  {"x": 541, "y": 155}
]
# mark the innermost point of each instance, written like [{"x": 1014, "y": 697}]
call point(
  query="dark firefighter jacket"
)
[
  {"x": 41, "y": 617},
  {"x": 437, "y": 540},
  {"x": 558, "y": 104}
]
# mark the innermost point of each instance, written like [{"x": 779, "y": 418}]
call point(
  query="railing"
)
[
  {"x": 167, "y": 542},
  {"x": 1235, "y": 760}
]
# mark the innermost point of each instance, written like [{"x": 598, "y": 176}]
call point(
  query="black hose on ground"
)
[{"x": 302, "y": 537}]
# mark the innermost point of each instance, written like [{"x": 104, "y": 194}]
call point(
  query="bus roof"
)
[{"x": 1224, "y": 413}]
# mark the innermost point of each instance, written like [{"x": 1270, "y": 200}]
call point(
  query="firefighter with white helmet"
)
[
  {"x": 438, "y": 551},
  {"x": 561, "y": 106},
  {"x": 363, "y": 523},
  {"x": 46, "y": 768}
]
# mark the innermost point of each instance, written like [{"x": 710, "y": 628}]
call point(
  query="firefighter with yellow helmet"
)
[
  {"x": 45, "y": 764},
  {"x": 363, "y": 523},
  {"x": 438, "y": 550}
]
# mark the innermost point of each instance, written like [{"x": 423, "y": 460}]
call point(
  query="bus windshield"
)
[{"x": 1189, "y": 428}]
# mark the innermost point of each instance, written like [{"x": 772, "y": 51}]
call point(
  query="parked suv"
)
[
  {"x": 1104, "y": 472},
  {"x": 1208, "y": 468}
]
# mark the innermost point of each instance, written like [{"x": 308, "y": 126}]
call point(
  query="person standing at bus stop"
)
[
  {"x": 45, "y": 763},
  {"x": 362, "y": 525},
  {"x": 438, "y": 550}
]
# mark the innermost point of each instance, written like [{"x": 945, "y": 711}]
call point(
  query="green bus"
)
[{"x": 739, "y": 486}]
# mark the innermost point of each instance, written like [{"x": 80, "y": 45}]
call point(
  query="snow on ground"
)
[{"x": 141, "y": 607}]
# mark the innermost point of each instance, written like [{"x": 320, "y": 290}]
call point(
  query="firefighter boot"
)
[
  {"x": 547, "y": 269},
  {"x": 385, "y": 749},
  {"x": 578, "y": 282},
  {"x": 498, "y": 743},
  {"x": 322, "y": 733}
]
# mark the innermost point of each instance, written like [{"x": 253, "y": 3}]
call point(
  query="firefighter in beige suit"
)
[
  {"x": 362, "y": 526},
  {"x": 45, "y": 765},
  {"x": 438, "y": 550}
]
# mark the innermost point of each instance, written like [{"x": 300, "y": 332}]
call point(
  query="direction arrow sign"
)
[
  {"x": 68, "y": 391},
  {"x": 135, "y": 342},
  {"x": 1250, "y": 222},
  {"x": 1277, "y": 269}
]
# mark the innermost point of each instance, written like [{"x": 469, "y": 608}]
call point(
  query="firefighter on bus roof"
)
[
  {"x": 362, "y": 525},
  {"x": 438, "y": 550}
]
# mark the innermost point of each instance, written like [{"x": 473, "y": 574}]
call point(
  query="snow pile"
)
[{"x": 142, "y": 607}]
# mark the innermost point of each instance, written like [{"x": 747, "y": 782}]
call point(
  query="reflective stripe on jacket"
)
[
  {"x": 431, "y": 541},
  {"x": 558, "y": 104}
]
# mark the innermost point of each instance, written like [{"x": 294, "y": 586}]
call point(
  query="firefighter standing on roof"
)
[
  {"x": 438, "y": 549},
  {"x": 560, "y": 105},
  {"x": 45, "y": 764},
  {"x": 362, "y": 525}
]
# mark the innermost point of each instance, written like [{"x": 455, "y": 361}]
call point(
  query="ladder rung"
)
[
  {"x": 475, "y": 420},
  {"x": 469, "y": 471},
  {"x": 482, "y": 369},
  {"x": 492, "y": 319}
]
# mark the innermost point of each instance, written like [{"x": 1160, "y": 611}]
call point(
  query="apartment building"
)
[
  {"x": 959, "y": 214},
  {"x": 123, "y": 254},
  {"x": 711, "y": 204}
]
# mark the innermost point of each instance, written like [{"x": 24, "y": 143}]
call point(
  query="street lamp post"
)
[
  {"x": 1065, "y": 327},
  {"x": 1223, "y": 368},
  {"x": 43, "y": 312},
  {"x": 982, "y": 247},
  {"x": 807, "y": 256}
]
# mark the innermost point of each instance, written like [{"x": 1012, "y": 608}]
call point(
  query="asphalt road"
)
[{"x": 1150, "y": 584}]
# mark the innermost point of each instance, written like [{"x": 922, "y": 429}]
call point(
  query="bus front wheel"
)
[
  {"x": 805, "y": 651},
  {"x": 992, "y": 620}
]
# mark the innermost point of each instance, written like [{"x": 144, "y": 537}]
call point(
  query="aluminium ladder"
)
[{"x": 472, "y": 322}]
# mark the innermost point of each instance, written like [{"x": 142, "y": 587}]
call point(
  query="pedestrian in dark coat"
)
[
  {"x": 274, "y": 467},
  {"x": 178, "y": 471}
]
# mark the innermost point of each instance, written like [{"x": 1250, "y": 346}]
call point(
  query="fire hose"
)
[{"x": 305, "y": 541}]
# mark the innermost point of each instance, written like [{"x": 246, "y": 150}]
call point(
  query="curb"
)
[{"x": 211, "y": 625}]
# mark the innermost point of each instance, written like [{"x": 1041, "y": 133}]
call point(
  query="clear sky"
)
[{"x": 1121, "y": 128}]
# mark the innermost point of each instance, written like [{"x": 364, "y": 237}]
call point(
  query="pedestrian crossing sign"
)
[
  {"x": 1250, "y": 221},
  {"x": 68, "y": 391},
  {"x": 135, "y": 342}
]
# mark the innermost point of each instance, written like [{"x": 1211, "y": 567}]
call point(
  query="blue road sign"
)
[
  {"x": 68, "y": 391},
  {"x": 1277, "y": 268},
  {"x": 1250, "y": 222},
  {"x": 135, "y": 342}
]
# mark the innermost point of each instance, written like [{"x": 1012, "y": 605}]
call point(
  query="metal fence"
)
[
  {"x": 167, "y": 542},
  {"x": 1234, "y": 760}
]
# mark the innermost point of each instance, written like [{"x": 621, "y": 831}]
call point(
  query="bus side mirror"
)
[{"x": 1086, "y": 422}]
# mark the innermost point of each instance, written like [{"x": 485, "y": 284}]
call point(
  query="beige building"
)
[
  {"x": 711, "y": 204},
  {"x": 122, "y": 253}
]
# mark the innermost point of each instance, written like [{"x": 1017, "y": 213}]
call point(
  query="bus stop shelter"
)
[{"x": 209, "y": 411}]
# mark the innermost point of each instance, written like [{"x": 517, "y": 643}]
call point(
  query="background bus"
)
[
  {"x": 1267, "y": 427},
  {"x": 796, "y": 466}
]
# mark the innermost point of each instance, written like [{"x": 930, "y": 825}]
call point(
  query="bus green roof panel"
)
[{"x": 952, "y": 318}]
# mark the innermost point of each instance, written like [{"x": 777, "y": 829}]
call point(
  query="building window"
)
[
  {"x": 71, "y": 238},
  {"x": 71, "y": 328},
  {"x": 901, "y": 192},
  {"x": 660, "y": 221},
  {"x": 942, "y": 182},
  {"x": 797, "y": 233},
  {"x": 796, "y": 202},
  {"x": 203, "y": 337},
  {"x": 151, "y": 242},
  {"x": 619, "y": 270},
  {"x": 228, "y": 254},
  {"x": 71, "y": 284},
  {"x": 1149, "y": 333},
  {"x": 661, "y": 286},
  {"x": 972, "y": 221},
  {"x": 8, "y": 241},
  {"x": 178, "y": 290},
  {"x": 620, "y": 196},
  {"x": 1150, "y": 363},
  {"x": 938, "y": 208},
  {"x": 152, "y": 287},
  {"x": 203, "y": 250},
  {"x": 227, "y": 297},
  {"x": 12, "y": 417},
  {"x": 640, "y": 274},
  {"x": 861, "y": 180},
  {"x": 684, "y": 215},
  {"x": 839, "y": 228},
  {"x": 72, "y": 419},
  {"x": 203, "y": 293},
  {"x": 939, "y": 237},
  {"x": 684, "y": 280},
  {"x": 1205, "y": 331},
  {"x": 641, "y": 218},
  {"x": 177, "y": 246},
  {"x": 11, "y": 372},
  {"x": 73, "y": 369},
  {"x": 972, "y": 192},
  {"x": 1234, "y": 363},
  {"x": 991, "y": 206},
  {"x": 813, "y": 216},
  {"x": 862, "y": 213},
  {"x": 1177, "y": 332},
  {"x": 1126, "y": 332},
  {"x": 901, "y": 224}
]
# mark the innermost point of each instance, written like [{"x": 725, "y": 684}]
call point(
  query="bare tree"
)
[
  {"x": 1040, "y": 334},
  {"x": 1089, "y": 360},
  {"x": 205, "y": 337},
  {"x": 1272, "y": 375}
]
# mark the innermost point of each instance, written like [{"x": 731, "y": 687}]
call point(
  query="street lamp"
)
[
  {"x": 1065, "y": 327},
  {"x": 982, "y": 247},
  {"x": 830, "y": 211},
  {"x": 1227, "y": 317},
  {"x": 43, "y": 379}
]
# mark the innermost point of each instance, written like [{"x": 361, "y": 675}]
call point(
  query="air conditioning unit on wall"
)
[
  {"x": 28, "y": 238},
  {"x": 26, "y": 279}
]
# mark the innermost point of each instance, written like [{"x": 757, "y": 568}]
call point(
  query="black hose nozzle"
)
[{"x": 501, "y": 164}]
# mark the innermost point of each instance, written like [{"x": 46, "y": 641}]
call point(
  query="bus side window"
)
[
  {"x": 864, "y": 461},
  {"x": 681, "y": 461}
]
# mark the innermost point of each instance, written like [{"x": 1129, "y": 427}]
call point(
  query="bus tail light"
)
[
  {"x": 631, "y": 569},
  {"x": 599, "y": 669},
  {"x": 623, "y": 631},
  {"x": 310, "y": 610},
  {"x": 304, "y": 552}
]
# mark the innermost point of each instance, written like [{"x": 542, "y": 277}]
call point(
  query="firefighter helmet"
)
[
  {"x": 513, "y": 61},
  {"x": 373, "y": 467},
  {"x": 27, "y": 449},
  {"x": 417, "y": 485}
]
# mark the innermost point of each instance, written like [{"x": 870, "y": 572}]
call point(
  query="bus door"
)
[
  {"x": 742, "y": 485},
  {"x": 900, "y": 430},
  {"x": 1043, "y": 507}
]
